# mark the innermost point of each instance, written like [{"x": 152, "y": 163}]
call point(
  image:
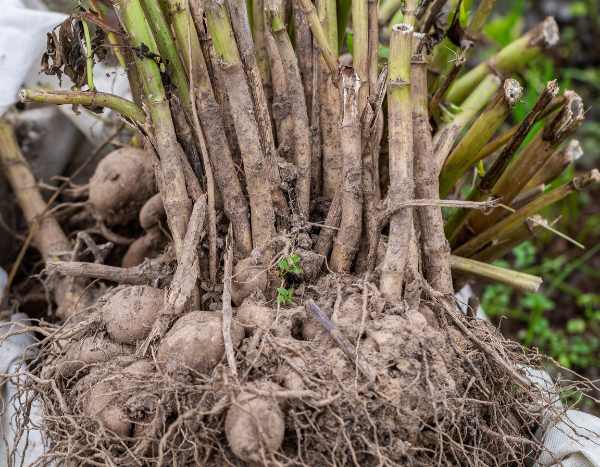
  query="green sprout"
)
[{"x": 287, "y": 265}]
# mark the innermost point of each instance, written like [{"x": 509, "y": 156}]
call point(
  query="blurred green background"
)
[{"x": 563, "y": 319}]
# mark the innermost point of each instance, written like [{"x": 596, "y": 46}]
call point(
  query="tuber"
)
[
  {"x": 195, "y": 342},
  {"x": 121, "y": 184},
  {"x": 130, "y": 313},
  {"x": 248, "y": 277},
  {"x": 254, "y": 426}
]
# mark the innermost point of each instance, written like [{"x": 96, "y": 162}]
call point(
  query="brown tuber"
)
[
  {"x": 122, "y": 183},
  {"x": 252, "y": 315},
  {"x": 255, "y": 426},
  {"x": 88, "y": 351},
  {"x": 130, "y": 313},
  {"x": 105, "y": 401},
  {"x": 248, "y": 277},
  {"x": 195, "y": 342}
]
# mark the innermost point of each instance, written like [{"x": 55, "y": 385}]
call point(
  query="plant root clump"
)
[{"x": 297, "y": 397}]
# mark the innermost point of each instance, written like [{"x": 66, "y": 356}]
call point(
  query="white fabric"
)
[
  {"x": 30, "y": 445},
  {"x": 23, "y": 28},
  {"x": 573, "y": 440}
]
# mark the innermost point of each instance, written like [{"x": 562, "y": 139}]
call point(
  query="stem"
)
[
  {"x": 516, "y": 279},
  {"x": 348, "y": 237},
  {"x": 210, "y": 118},
  {"x": 259, "y": 36},
  {"x": 456, "y": 223},
  {"x": 556, "y": 165},
  {"x": 464, "y": 154},
  {"x": 280, "y": 106},
  {"x": 168, "y": 51},
  {"x": 242, "y": 110},
  {"x": 304, "y": 51},
  {"x": 329, "y": 98},
  {"x": 501, "y": 140},
  {"x": 177, "y": 204},
  {"x": 401, "y": 160},
  {"x": 321, "y": 37},
  {"x": 360, "y": 50},
  {"x": 89, "y": 56},
  {"x": 44, "y": 229},
  {"x": 446, "y": 136},
  {"x": 299, "y": 114},
  {"x": 126, "y": 108},
  {"x": 330, "y": 226},
  {"x": 435, "y": 248},
  {"x": 522, "y": 169},
  {"x": 249, "y": 55},
  {"x": 482, "y": 13},
  {"x": 505, "y": 243},
  {"x": 515, "y": 220},
  {"x": 388, "y": 9},
  {"x": 514, "y": 57}
]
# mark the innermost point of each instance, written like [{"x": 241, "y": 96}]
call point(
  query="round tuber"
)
[
  {"x": 130, "y": 313},
  {"x": 196, "y": 342},
  {"x": 252, "y": 315},
  {"x": 88, "y": 351},
  {"x": 121, "y": 184},
  {"x": 248, "y": 277},
  {"x": 254, "y": 426}
]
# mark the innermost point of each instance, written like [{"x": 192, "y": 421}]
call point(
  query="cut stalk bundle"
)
[{"x": 315, "y": 177}]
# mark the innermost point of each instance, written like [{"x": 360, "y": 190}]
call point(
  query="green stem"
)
[
  {"x": 401, "y": 189},
  {"x": 506, "y": 243},
  {"x": 446, "y": 136},
  {"x": 515, "y": 220},
  {"x": 457, "y": 222},
  {"x": 500, "y": 141},
  {"x": 556, "y": 165},
  {"x": 125, "y": 107},
  {"x": 89, "y": 56},
  {"x": 514, "y": 57},
  {"x": 360, "y": 49},
  {"x": 388, "y": 9},
  {"x": 322, "y": 38},
  {"x": 177, "y": 203},
  {"x": 516, "y": 279},
  {"x": 464, "y": 154},
  {"x": 482, "y": 13},
  {"x": 523, "y": 167},
  {"x": 168, "y": 51}
]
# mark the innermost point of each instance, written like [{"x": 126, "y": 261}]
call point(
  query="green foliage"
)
[
  {"x": 289, "y": 265},
  {"x": 286, "y": 266},
  {"x": 574, "y": 342},
  {"x": 285, "y": 296},
  {"x": 506, "y": 28}
]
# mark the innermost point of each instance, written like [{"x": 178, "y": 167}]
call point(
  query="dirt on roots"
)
[{"x": 419, "y": 391}]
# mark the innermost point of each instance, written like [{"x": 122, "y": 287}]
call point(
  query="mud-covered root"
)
[
  {"x": 255, "y": 425},
  {"x": 195, "y": 342},
  {"x": 122, "y": 183},
  {"x": 130, "y": 313}
]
